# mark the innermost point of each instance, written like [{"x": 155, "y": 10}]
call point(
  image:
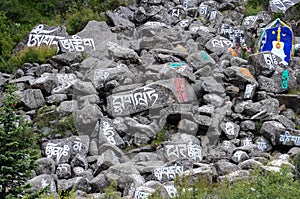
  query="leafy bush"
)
[{"x": 253, "y": 7}]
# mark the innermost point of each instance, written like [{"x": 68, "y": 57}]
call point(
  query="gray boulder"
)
[
  {"x": 120, "y": 21},
  {"x": 223, "y": 167},
  {"x": 32, "y": 98},
  {"x": 98, "y": 183},
  {"x": 269, "y": 106},
  {"x": 271, "y": 131},
  {"x": 65, "y": 59},
  {"x": 86, "y": 119},
  {"x": 188, "y": 126},
  {"x": 46, "y": 83},
  {"x": 100, "y": 34},
  {"x": 211, "y": 85},
  {"x": 213, "y": 99},
  {"x": 240, "y": 76},
  {"x": 200, "y": 59},
  {"x": 247, "y": 125},
  {"x": 45, "y": 166},
  {"x": 79, "y": 161},
  {"x": 67, "y": 107},
  {"x": 77, "y": 183},
  {"x": 42, "y": 182},
  {"x": 118, "y": 52},
  {"x": 56, "y": 98}
]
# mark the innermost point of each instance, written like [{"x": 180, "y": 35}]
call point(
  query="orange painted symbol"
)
[{"x": 278, "y": 45}]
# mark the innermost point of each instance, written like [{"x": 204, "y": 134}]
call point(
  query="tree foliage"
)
[{"x": 17, "y": 148}]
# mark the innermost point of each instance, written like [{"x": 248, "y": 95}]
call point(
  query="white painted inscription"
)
[
  {"x": 39, "y": 36},
  {"x": 184, "y": 150},
  {"x": 287, "y": 137},
  {"x": 55, "y": 150},
  {"x": 248, "y": 91},
  {"x": 172, "y": 191},
  {"x": 270, "y": 60},
  {"x": 229, "y": 128},
  {"x": 109, "y": 132},
  {"x": 146, "y": 98},
  {"x": 77, "y": 44},
  {"x": 170, "y": 172},
  {"x": 221, "y": 43},
  {"x": 77, "y": 145},
  {"x": 246, "y": 142},
  {"x": 261, "y": 145},
  {"x": 282, "y": 5}
]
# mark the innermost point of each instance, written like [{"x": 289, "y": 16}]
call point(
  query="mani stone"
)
[
  {"x": 264, "y": 62},
  {"x": 154, "y": 95},
  {"x": 42, "y": 181},
  {"x": 230, "y": 129},
  {"x": 108, "y": 133},
  {"x": 100, "y": 75},
  {"x": 281, "y": 6},
  {"x": 239, "y": 156},
  {"x": 218, "y": 45},
  {"x": 63, "y": 171},
  {"x": 266, "y": 84}
]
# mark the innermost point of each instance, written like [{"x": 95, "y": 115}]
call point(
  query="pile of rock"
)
[{"x": 163, "y": 67}]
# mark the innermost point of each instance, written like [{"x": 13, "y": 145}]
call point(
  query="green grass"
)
[
  {"x": 294, "y": 91},
  {"x": 27, "y": 55}
]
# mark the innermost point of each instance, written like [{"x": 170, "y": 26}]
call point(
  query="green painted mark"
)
[
  {"x": 285, "y": 79},
  {"x": 174, "y": 65},
  {"x": 205, "y": 56}
]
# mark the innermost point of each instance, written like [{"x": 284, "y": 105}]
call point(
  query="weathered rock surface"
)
[{"x": 157, "y": 94}]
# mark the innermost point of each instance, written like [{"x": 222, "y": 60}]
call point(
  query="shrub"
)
[
  {"x": 253, "y": 7},
  {"x": 160, "y": 137},
  {"x": 18, "y": 148},
  {"x": 28, "y": 55},
  {"x": 76, "y": 21}
]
